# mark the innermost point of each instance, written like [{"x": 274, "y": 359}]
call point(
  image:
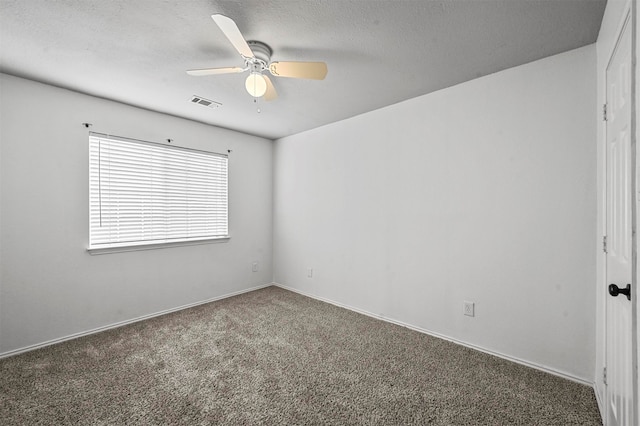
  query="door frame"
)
[{"x": 635, "y": 325}]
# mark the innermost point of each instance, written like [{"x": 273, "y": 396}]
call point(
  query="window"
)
[{"x": 146, "y": 193}]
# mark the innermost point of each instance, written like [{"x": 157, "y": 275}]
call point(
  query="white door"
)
[{"x": 619, "y": 364}]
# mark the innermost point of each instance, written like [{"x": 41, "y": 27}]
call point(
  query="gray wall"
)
[
  {"x": 483, "y": 192},
  {"x": 50, "y": 286}
]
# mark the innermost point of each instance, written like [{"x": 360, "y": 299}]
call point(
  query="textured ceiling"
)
[{"x": 378, "y": 52}]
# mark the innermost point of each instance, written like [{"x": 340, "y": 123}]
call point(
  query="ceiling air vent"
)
[{"x": 205, "y": 102}]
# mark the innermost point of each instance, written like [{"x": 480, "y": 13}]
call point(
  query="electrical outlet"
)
[
  {"x": 309, "y": 272},
  {"x": 254, "y": 267},
  {"x": 469, "y": 309}
]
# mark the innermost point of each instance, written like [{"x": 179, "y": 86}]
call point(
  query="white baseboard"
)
[
  {"x": 450, "y": 339},
  {"x": 342, "y": 305},
  {"x": 129, "y": 321}
]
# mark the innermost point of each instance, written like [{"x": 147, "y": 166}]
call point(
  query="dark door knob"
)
[{"x": 614, "y": 290}]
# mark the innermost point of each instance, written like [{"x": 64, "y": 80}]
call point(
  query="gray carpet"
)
[{"x": 275, "y": 357}]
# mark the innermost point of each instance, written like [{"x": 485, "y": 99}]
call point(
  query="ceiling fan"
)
[{"x": 257, "y": 59}]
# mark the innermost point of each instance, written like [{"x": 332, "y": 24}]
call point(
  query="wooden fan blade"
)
[
  {"x": 230, "y": 29},
  {"x": 312, "y": 70},
  {"x": 271, "y": 93},
  {"x": 213, "y": 71}
]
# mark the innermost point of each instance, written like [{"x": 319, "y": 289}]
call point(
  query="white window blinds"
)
[{"x": 146, "y": 193}]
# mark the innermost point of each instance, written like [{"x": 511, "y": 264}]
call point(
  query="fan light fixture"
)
[{"x": 256, "y": 84}]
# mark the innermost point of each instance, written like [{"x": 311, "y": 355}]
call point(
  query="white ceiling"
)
[{"x": 378, "y": 52}]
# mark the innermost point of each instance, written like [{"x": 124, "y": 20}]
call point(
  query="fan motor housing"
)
[{"x": 261, "y": 51}]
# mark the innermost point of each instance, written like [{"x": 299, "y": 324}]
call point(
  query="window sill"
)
[{"x": 140, "y": 247}]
